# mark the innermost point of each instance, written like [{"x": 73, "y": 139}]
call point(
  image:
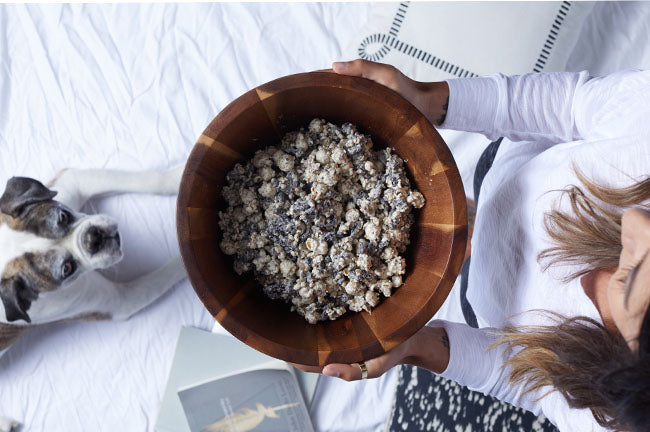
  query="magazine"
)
[
  {"x": 264, "y": 398},
  {"x": 201, "y": 356}
]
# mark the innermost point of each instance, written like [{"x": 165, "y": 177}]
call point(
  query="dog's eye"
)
[
  {"x": 68, "y": 268},
  {"x": 64, "y": 217}
]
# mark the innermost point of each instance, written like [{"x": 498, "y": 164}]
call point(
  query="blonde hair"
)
[
  {"x": 590, "y": 235},
  {"x": 591, "y": 367}
]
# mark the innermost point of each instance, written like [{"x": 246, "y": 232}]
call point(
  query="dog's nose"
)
[{"x": 94, "y": 239}]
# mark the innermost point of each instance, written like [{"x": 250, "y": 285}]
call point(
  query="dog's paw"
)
[
  {"x": 7, "y": 424},
  {"x": 172, "y": 179}
]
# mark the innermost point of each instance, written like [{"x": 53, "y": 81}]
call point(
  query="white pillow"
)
[
  {"x": 433, "y": 41},
  {"x": 615, "y": 36},
  {"x": 440, "y": 40}
]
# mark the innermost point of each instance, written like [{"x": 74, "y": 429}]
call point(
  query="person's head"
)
[{"x": 608, "y": 372}]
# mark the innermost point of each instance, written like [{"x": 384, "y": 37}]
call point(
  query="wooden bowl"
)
[{"x": 259, "y": 118}]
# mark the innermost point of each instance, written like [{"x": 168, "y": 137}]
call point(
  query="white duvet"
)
[{"x": 132, "y": 87}]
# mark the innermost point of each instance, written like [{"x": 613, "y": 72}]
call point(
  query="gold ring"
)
[{"x": 364, "y": 370}]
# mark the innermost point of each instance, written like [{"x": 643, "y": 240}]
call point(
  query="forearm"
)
[
  {"x": 468, "y": 360},
  {"x": 428, "y": 349},
  {"x": 432, "y": 99},
  {"x": 459, "y": 352},
  {"x": 530, "y": 107}
]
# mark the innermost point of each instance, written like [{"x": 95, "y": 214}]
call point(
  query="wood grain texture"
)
[{"x": 259, "y": 118}]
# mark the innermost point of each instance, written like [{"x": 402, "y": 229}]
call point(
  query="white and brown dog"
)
[{"x": 49, "y": 251}]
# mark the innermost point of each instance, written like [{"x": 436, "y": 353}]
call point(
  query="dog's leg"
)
[
  {"x": 140, "y": 292},
  {"x": 75, "y": 187},
  {"x": 93, "y": 297}
]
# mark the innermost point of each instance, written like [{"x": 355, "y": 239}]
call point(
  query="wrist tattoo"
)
[
  {"x": 442, "y": 117},
  {"x": 445, "y": 341}
]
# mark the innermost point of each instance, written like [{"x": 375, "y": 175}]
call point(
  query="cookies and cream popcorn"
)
[{"x": 321, "y": 220}]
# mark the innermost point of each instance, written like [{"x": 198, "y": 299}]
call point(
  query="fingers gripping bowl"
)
[{"x": 260, "y": 118}]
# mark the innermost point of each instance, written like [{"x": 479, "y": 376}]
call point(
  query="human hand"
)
[
  {"x": 431, "y": 98},
  {"x": 427, "y": 348}
]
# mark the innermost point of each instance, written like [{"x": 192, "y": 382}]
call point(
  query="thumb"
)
[{"x": 347, "y": 372}]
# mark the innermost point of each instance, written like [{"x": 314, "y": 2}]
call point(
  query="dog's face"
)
[{"x": 45, "y": 245}]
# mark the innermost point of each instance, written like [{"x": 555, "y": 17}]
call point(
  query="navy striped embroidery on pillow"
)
[
  {"x": 376, "y": 46},
  {"x": 399, "y": 17},
  {"x": 552, "y": 36}
]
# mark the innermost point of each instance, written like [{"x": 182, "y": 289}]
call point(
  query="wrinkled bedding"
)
[{"x": 131, "y": 87}]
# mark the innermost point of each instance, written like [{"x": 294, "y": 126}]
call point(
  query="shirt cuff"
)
[
  {"x": 470, "y": 362},
  {"x": 473, "y": 104}
]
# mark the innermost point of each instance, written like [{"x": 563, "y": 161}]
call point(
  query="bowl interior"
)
[{"x": 260, "y": 118}]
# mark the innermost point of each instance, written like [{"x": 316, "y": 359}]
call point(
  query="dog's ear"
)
[
  {"x": 17, "y": 296},
  {"x": 22, "y": 191}
]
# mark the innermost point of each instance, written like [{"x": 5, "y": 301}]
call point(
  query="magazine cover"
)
[
  {"x": 264, "y": 399},
  {"x": 199, "y": 358}
]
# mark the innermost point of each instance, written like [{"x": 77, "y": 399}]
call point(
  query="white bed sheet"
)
[{"x": 131, "y": 87}]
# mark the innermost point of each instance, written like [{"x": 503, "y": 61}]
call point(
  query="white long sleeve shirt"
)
[{"x": 549, "y": 121}]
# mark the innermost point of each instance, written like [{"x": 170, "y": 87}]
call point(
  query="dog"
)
[{"x": 50, "y": 251}]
